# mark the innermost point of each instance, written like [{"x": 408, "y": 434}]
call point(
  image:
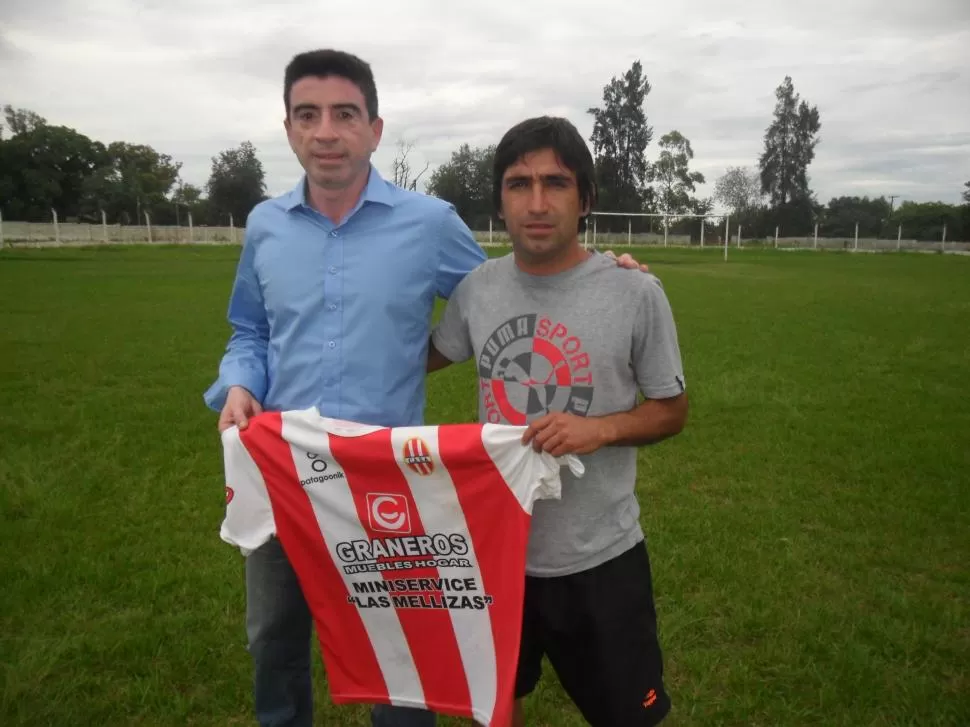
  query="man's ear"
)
[{"x": 377, "y": 126}]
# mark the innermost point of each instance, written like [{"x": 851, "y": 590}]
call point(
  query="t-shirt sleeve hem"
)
[
  {"x": 666, "y": 392},
  {"x": 453, "y": 353}
]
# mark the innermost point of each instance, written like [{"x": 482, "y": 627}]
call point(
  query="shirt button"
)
[
  {"x": 332, "y": 344},
  {"x": 333, "y": 270},
  {"x": 332, "y": 306},
  {"x": 333, "y": 233}
]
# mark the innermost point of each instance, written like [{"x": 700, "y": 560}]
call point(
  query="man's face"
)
[
  {"x": 329, "y": 131},
  {"x": 541, "y": 206}
]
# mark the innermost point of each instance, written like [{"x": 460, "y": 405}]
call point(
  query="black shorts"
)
[{"x": 599, "y": 630}]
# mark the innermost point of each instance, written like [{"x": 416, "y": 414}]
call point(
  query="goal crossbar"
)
[
  {"x": 665, "y": 215},
  {"x": 649, "y": 214}
]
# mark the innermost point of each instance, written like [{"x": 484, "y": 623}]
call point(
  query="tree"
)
[
  {"x": 236, "y": 184},
  {"x": 22, "y": 121},
  {"x": 843, "y": 213},
  {"x": 925, "y": 221},
  {"x": 739, "y": 190},
  {"x": 401, "y": 166},
  {"x": 45, "y": 167},
  {"x": 620, "y": 138},
  {"x": 466, "y": 181},
  {"x": 966, "y": 193},
  {"x": 671, "y": 172},
  {"x": 790, "y": 143},
  {"x": 188, "y": 199},
  {"x": 134, "y": 180}
]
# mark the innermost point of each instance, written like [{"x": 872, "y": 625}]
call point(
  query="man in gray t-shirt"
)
[{"x": 566, "y": 342}]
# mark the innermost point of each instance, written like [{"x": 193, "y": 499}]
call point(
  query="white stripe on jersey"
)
[
  {"x": 340, "y": 523},
  {"x": 440, "y": 512},
  {"x": 249, "y": 515},
  {"x": 529, "y": 478}
]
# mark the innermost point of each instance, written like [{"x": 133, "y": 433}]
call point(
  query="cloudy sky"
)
[{"x": 891, "y": 78}]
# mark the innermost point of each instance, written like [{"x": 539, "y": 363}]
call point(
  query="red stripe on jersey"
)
[
  {"x": 339, "y": 626},
  {"x": 499, "y": 529},
  {"x": 376, "y": 482}
]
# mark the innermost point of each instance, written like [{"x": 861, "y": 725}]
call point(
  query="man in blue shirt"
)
[{"x": 331, "y": 307}]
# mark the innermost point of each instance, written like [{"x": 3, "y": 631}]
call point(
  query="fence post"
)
[
  {"x": 629, "y": 231},
  {"x": 57, "y": 228},
  {"x": 727, "y": 236},
  {"x": 191, "y": 231},
  {"x": 899, "y": 237},
  {"x": 739, "y": 236},
  {"x": 489, "y": 229},
  {"x": 148, "y": 221},
  {"x": 665, "y": 228},
  {"x": 594, "y": 233},
  {"x": 776, "y": 237},
  {"x": 702, "y": 233},
  {"x": 232, "y": 228},
  {"x": 943, "y": 243},
  {"x": 104, "y": 227},
  {"x": 816, "y": 236},
  {"x": 856, "y": 245}
]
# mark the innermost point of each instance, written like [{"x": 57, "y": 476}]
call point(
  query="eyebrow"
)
[
  {"x": 307, "y": 106},
  {"x": 544, "y": 177},
  {"x": 347, "y": 107}
]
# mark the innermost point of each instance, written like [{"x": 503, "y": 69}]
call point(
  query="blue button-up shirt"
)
[{"x": 338, "y": 316}]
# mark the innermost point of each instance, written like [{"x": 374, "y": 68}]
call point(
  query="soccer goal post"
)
[{"x": 628, "y": 228}]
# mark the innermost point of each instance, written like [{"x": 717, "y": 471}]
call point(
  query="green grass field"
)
[{"x": 810, "y": 529}]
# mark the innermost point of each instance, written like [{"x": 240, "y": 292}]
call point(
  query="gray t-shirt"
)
[{"x": 585, "y": 341}]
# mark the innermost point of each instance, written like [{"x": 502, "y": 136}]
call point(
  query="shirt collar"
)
[{"x": 376, "y": 190}]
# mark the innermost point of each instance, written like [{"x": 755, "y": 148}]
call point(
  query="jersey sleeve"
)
[
  {"x": 530, "y": 475},
  {"x": 656, "y": 351},
  {"x": 248, "y": 521}
]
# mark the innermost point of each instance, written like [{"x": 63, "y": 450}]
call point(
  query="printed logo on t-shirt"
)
[
  {"x": 230, "y": 493},
  {"x": 388, "y": 513},
  {"x": 531, "y": 366}
]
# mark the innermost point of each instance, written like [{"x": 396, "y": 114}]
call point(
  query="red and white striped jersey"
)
[{"x": 409, "y": 544}]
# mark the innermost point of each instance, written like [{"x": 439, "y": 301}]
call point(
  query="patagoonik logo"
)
[
  {"x": 388, "y": 513},
  {"x": 531, "y": 366}
]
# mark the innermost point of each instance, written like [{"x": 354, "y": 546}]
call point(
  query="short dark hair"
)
[
  {"x": 547, "y": 132},
  {"x": 328, "y": 62}
]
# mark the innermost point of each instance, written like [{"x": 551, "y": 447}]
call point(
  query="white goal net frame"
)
[{"x": 668, "y": 220}]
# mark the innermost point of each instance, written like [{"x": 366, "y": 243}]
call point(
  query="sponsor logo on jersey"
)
[
  {"x": 319, "y": 466},
  {"x": 417, "y": 456},
  {"x": 388, "y": 513},
  {"x": 230, "y": 493}
]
